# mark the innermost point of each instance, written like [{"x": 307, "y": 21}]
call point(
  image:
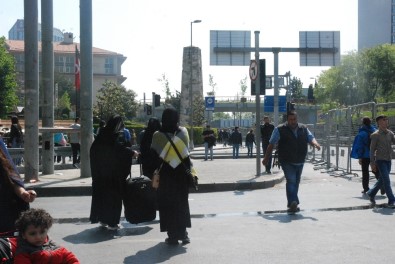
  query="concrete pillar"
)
[
  {"x": 48, "y": 85},
  {"x": 86, "y": 85},
  {"x": 31, "y": 158}
]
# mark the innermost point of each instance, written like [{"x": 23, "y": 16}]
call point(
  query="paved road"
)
[{"x": 336, "y": 225}]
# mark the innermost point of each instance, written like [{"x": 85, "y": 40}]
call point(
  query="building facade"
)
[
  {"x": 106, "y": 65},
  {"x": 376, "y": 23}
]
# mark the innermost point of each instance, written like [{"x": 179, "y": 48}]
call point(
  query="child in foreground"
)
[{"x": 33, "y": 243}]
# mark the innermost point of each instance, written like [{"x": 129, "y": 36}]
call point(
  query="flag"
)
[{"x": 77, "y": 80}]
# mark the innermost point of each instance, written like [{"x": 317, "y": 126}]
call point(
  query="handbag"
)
[{"x": 192, "y": 179}]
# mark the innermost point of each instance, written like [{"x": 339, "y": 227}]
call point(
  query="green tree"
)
[
  {"x": 295, "y": 88},
  {"x": 221, "y": 115},
  {"x": 115, "y": 99},
  {"x": 174, "y": 100},
  {"x": 64, "y": 106},
  {"x": 8, "y": 84},
  {"x": 198, "y": 110}
]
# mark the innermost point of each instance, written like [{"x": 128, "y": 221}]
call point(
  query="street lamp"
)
[{"x": 191, "y": 145}]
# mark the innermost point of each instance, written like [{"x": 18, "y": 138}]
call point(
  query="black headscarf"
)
[
  {"x": 170, "y": 119},
  {"x": 112, "y": 130}
]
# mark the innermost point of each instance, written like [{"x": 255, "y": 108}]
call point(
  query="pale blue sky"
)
[{"x": 152, "y": 34}]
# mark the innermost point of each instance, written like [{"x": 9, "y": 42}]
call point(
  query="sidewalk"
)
[{"x": 221, "y": 174}]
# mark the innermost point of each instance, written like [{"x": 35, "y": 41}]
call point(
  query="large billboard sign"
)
[{"x": 319, "y": 48}]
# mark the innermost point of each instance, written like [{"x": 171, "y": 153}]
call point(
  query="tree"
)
[
  {"x": 115, "y": 99},
  {"x": 198, "y": 110},
  {"x": 165, "y": 83},
  {"x": 64, "y": 106},
  {"x": 212, "y": 84},
  {"x": 243, "y": 86},
  {"x": 8, "y": 84},
  {"x": 295, "y": 88},
  {"x": 221, "y": 115},
  {"x": 174, "y": 100},
  {"x": 64, "y": 85}
]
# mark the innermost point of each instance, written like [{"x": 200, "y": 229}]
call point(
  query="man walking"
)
[
  {"x": 209, "y": 142},
  {"x": 292, "y": 139},
  {"x": 380, "y": 159},
  {"x": 266, "y": 133},
  {"x": 75, "y": 142},
  {"x": 236, "y": 140}
]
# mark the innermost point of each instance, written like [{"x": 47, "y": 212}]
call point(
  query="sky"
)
[{"x": 153, "y": 33}]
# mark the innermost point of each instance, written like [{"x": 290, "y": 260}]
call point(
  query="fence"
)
[{"x": 336, "y": 131}]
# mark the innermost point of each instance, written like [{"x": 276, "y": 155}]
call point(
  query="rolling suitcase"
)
[{"x": 139, "y": 200}]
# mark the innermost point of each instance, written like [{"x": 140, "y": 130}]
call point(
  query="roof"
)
[{"x": 59, "y": 47}]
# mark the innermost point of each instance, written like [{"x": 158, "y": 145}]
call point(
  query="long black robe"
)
[{"x": 110, "y": 166}]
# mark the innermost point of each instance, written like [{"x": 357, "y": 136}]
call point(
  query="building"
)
[
  {"x": 17, "y": 32},
  {"x": 106, "y": 65},
  {"x": 376, "y": 23}
]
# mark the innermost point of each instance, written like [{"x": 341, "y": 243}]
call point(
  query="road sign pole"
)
[
  {"x": 258, "y": 108},
  {"x": 276, "y": 88}
]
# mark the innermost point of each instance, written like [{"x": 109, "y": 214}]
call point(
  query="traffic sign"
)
[
  {"x": 210, "y": 103},
  {"x": 253, "y": 70}
]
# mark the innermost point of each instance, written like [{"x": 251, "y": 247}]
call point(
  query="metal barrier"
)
[{"x": 58, "y": 151}]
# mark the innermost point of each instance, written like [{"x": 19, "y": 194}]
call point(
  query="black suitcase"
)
[{"x": 140, "y": 200}]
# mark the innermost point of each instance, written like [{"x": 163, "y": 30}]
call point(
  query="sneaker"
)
[
  {"x": 293, "y": 208},
  {"x": 391, "y": 205},
  {"x": 116, "y": 227},
  {"x": 371, "y": 199},
  {"x": 186, "y": 240}
]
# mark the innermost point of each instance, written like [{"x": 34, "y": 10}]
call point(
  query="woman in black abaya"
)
[{"x": 110, "y": 165}]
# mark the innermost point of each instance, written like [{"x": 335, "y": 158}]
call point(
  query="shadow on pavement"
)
[
  {"x": 159, "y": 253},
  {"x": 285, "y": 218},
  {"x": 100, "y": 234}
]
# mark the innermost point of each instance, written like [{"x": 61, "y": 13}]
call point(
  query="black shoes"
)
[
  {"x": 371, "y": 199},
  {"x": 171, "y": 241},
  {"x": 293, "y": 208}
]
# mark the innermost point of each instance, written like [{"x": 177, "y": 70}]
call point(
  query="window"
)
[{"x": 109, "y": 66}]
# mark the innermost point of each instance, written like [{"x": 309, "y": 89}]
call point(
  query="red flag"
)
[{"x": 77, "y": 80}]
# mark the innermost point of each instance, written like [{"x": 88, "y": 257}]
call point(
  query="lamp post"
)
[{"x": 191, "y": 145}]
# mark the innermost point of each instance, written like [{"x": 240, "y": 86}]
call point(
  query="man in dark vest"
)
[{"x": 292, "y": 139}]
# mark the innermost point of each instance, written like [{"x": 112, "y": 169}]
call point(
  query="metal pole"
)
[
  {"x": 86, "y": 85},
  {"x": 48, "y": 88},
  {"x": 276, "y": 88},
  {"x": 31, "y": 91},
  {"x": 258, "y": 108}
]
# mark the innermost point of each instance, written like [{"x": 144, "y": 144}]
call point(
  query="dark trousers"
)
[
  {"x": 75, "y": 147},
  {"x": 365, "y": 164}
]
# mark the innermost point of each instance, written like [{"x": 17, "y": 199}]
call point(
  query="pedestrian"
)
[
  {"x": 225, "y": 137},
  {"x": 33, "y": 243},
  {"x": 292, "y": 139},
  {"x": 14, "y": 198},
  {"x": 110, "y": 162},
  {"x": 250, "y": 141},
  {"x": 133, "y": 139},
  {"x": 102, "y": 124},
  {"x": 75, "y": 142},
  {"x": 380, "y": 159},
  {"x": 361, "y": 151},
  {"x": 127, "y": 137},
  {"x": 266, "y": 133},
  {"x": 59, "y": 141},
  {"x": 16, "y": 137},
  {"x": 146, "y": 155},
  {"x": 173, "y": 188},
  {"x": 209, "y": 142},
  {"x": 236, "y": 140}
]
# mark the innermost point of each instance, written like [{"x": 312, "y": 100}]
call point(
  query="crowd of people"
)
[{"x": 164, "y": 150}]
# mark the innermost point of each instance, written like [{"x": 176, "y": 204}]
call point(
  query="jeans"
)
[
  {"x": 269, "y": 163},
  {"x": 206, "y": 149},
  {"x": 292, "y": 173},
  {"x": 249, "y": 145},
  {"x": 236, "y": 150},
  {"x": 384, "y": 168},
  {"x": 75, "y": 147},
  {"x": 365, "y": 174}
]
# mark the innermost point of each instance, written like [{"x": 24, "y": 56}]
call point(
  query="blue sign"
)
[
  {"x": 210, "y": 103},
  {"x": 269, "y": 104}
]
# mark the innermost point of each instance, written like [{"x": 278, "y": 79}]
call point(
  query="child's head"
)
[{"x": 33, "y": 226}]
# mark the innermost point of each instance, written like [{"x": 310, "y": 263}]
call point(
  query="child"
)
[{"x": 33, "y": 243}]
